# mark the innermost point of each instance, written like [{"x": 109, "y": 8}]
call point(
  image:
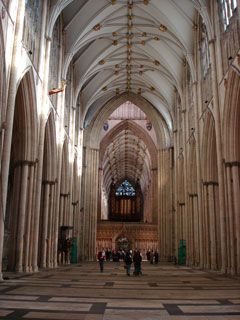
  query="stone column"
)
[
  {"x": 14, "y": 210},
  {"x": 45, "y": 224},
  {"x": 196, "y": 230},
  {"x": 191, "y": 231},
  {"x": 40, "y": 164},
  {"x": 197, "y": 101},
  {"x": 206, "y": 228},
  {"x": 182, "y": 221},
  {"x": 231, "y": 221},
  {"x": 95, "y": 203},
  {"x": 50, "y": 226},
  {"x": 236, "y": 208},
  {"x": 61, "y": 209},
  {"x": 212, "y": 224},
  {"x": 90, "y": 203},
  {"x": 12, "y": 90},
  {"x": 21, "y": 219},
  {"x": 29, "y": 219},
  {"x": 175, "y": 188},
  {"x": 219, "y": 156}
]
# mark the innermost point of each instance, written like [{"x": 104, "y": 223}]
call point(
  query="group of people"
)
[
  {"x": 152, "y": 256},
  {"x": 115, "y": 255},
  {"x": 128, "y": 257}
]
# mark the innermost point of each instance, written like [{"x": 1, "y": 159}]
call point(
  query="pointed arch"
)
[
  {"x": 93, "y": 132},
  {"x": 26, "y": 118},
  {"x": 50, "y": 150},
  {"x": 231, "y": 118},
  {"x": 209, "y": 149}
]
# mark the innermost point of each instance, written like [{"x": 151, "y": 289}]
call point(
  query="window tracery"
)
[
  {"x": 32, "y": 28},
  {"x": 227, "y": 7},
  {"x": 205, "y": 56},
  {"x": 125, "y": 189}
]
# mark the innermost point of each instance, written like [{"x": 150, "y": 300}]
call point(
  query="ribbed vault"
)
[
  {"x": 137, "y": 46},
  {"x": 127, "y": 152}
]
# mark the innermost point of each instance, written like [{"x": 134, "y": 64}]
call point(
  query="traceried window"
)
[
  {"x": 227, "y": 7},
  {"x": 126, "y": 202},
  {"x": 32, "y": 28},
  {"x": 205, "y": 57},
  {"x": 53, "y": 77},
  {"x": 125, "y": 189}
]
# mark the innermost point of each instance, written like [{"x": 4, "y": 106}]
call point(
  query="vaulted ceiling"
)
[
  {"x": 121, "y": 46},
  {"x": 128, "y": 45}
]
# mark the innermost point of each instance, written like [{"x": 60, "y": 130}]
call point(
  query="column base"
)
[{"x": 35, "y": 269}]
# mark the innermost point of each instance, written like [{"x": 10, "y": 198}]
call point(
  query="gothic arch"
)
[
  {"x": 93, "y": 131},
  {"x": 231, "y": 143},
  {"x": 50, "y": 150},
  {"x": 19, "y": 209},
  {"x": 231, "y": 118},
  {"x": 47, "y": 210},
  {"x": 209, "y": 150},
  {"x": 138, "y": 131},
  {"x": 26, "y": 117}
]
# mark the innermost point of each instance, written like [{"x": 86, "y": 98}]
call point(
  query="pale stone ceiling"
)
[
  {"x": 137, "y": 46},
  {"x": 126, "y": 155}
]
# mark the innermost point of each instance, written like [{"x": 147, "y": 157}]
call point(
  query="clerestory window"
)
[{"x": 227, "y": 7}]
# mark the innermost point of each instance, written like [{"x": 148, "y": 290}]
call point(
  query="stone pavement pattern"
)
[{"x": 82, "y": 292}]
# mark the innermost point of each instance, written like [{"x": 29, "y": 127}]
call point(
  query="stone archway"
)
[
  {"x": 231, "y": 143},
  {"x": 21, "y": 182},
  {"x": 90, "y": 186},
  {"x": 47, "y": 223}
]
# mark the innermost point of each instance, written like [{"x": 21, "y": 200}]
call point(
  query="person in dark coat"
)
[
  {"x": 128, "y": 262},
  {"x": 151, "y": 256},
  {"x": 137, "y": 259},
  {"x": 156, "y": 257}
]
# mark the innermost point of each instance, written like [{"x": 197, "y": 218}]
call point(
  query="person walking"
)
[
  {"x": 101, "y": 257},
  {"x": 128, "y": 262}
]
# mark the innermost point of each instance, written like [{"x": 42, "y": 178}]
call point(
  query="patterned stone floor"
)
[{"x": 77, "y": 292}]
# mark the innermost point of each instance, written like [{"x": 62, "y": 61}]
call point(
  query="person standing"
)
[
  {"x": 128, "y": 262},
  {"x": 101, "y": 257},
  {"x": 137, "y": 259},
  {"x": 156, "y": 257},
  {"x": 151, "y": 256}
]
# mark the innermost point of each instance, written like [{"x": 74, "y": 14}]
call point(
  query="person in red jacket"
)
[{"x": 101, "y": 258}]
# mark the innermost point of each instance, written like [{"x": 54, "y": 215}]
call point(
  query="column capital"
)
[
  {"x": 50, "y": 182},
  {"x": 181, "y": 203},
  {"x": 25, "y": 163},
  {"x": 212, "y": 41},
  {"x": 64, "y": 194},
  {"x": 232, "y": 164},
  {"x": 209, "y": 183},
  {"x": 192, "y": 195}
]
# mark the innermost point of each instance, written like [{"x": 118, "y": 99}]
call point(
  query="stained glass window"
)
[
  {"x": 205, "y": 56},
  {"x": 228, "y": 7},
  {"x": 125, "y": 189}
]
